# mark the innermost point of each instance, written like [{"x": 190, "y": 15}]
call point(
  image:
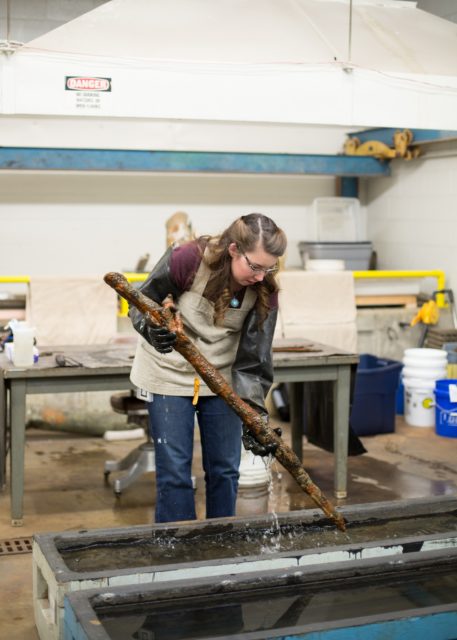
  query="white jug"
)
[{"x": 23, "y": 335}]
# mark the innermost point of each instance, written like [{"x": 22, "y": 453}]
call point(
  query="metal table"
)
[
  {"x": 317, "y": 363},
  {"x": 107, "y": 367}
]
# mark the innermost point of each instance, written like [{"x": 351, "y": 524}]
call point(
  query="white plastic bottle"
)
[{"x": 23, "y": 336}]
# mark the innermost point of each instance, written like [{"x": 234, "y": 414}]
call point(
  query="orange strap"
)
[{"x": 196, "y": 389}]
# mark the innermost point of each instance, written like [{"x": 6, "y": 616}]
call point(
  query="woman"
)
[{"x": 227, "y": 296}]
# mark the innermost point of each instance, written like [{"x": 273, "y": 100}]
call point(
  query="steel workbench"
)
[{"x": 107, "y": 367}]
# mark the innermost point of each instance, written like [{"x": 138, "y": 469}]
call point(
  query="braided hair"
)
[{"x": 247, "y": 232}]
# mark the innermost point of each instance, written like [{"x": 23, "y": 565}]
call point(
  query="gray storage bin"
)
[{"x": 356, "y": 255}]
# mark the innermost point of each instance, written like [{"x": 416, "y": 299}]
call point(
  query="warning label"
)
[
  {"x": 82, "y": 83},
  {"x": 86, "y": 92}
]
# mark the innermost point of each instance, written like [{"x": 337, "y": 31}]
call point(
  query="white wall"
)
[
  {"x": 81, "y": 224},
  {"x": 412, "y": 216}
]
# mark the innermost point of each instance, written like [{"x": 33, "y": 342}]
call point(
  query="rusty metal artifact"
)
[{"x": 168, "y": 316}]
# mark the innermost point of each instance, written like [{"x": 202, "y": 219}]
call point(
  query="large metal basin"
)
[{"x": 74, "y": 561}]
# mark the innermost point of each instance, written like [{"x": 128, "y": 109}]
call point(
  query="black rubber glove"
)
[
  {"x": 160, "y": 338},
  {"x": 251, "y": 443}
]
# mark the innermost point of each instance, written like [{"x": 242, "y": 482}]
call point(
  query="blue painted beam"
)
[
  {"x": 349, "y": 187},
  {"x": 42, "y": 159},
  {"x": 421, "y": 136}
]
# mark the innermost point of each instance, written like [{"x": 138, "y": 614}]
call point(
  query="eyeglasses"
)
[{"x": 256, "y": 268}]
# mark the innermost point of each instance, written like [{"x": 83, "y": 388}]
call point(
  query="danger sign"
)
[{"x": 82, "y": 83}]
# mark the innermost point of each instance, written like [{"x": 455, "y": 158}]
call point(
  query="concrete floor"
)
[{"x": 65, "y": 490}]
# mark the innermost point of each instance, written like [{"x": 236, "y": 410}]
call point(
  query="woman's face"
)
[{"x": 250, "y": 267}]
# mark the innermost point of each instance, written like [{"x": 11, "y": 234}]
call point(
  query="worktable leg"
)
[
  {"x": 341, "y": 399},
  {"x": 17, "y": 397},
  {"x": 296, "y": 394},
  {"x": 2, "y": 434}
]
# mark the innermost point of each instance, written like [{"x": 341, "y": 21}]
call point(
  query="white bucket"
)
[
  {"x": 415, "y": 361},
  {"x": 23, "y": 336},
  {"x": 253, "y": 485},
  {"x": 419, "y": 402},
  {"x": 425, "y": 354},
  {"x": 252, "y": 501},
  {"x": 253, "y": 470},
  {"x": 430, "y": 373}
]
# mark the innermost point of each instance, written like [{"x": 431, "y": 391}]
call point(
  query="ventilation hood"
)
[{"x": 259, "y": 62}]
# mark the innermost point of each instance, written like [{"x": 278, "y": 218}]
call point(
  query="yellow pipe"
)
[
  {"x": 135, "y": 277},
  {"x": 131, "y": 277},
  {"x": 421, "y": 273},
  {"x": 123, "y": 308},
  {"x": 15, "y": 279}
]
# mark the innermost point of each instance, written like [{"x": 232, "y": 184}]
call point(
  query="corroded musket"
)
[{"x": 168, "y": 316}]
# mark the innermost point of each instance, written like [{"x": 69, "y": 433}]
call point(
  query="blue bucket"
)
[{"x": 445, "y": 409}]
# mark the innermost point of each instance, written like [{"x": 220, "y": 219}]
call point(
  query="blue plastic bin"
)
[
  {"x": 374, "y": 405},
  {"x": 400, "y": 398}
]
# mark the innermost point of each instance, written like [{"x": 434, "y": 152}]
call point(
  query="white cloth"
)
[
  {"x": 69, "y": 311},
  {"x": 318, "y": 306}
]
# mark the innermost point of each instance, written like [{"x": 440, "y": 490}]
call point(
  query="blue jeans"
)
[{"x": 171, "y": 422}]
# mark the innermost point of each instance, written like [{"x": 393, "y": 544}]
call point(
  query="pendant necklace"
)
[{"x": 234, "y": 302}]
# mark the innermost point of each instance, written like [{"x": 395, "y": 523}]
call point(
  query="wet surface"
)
[
  {"x": 279, "y": 608},
  {"x": 397, "y": 476},
  {"x": 65, "y": 490},
  {"x": 162, "y": 549}
]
